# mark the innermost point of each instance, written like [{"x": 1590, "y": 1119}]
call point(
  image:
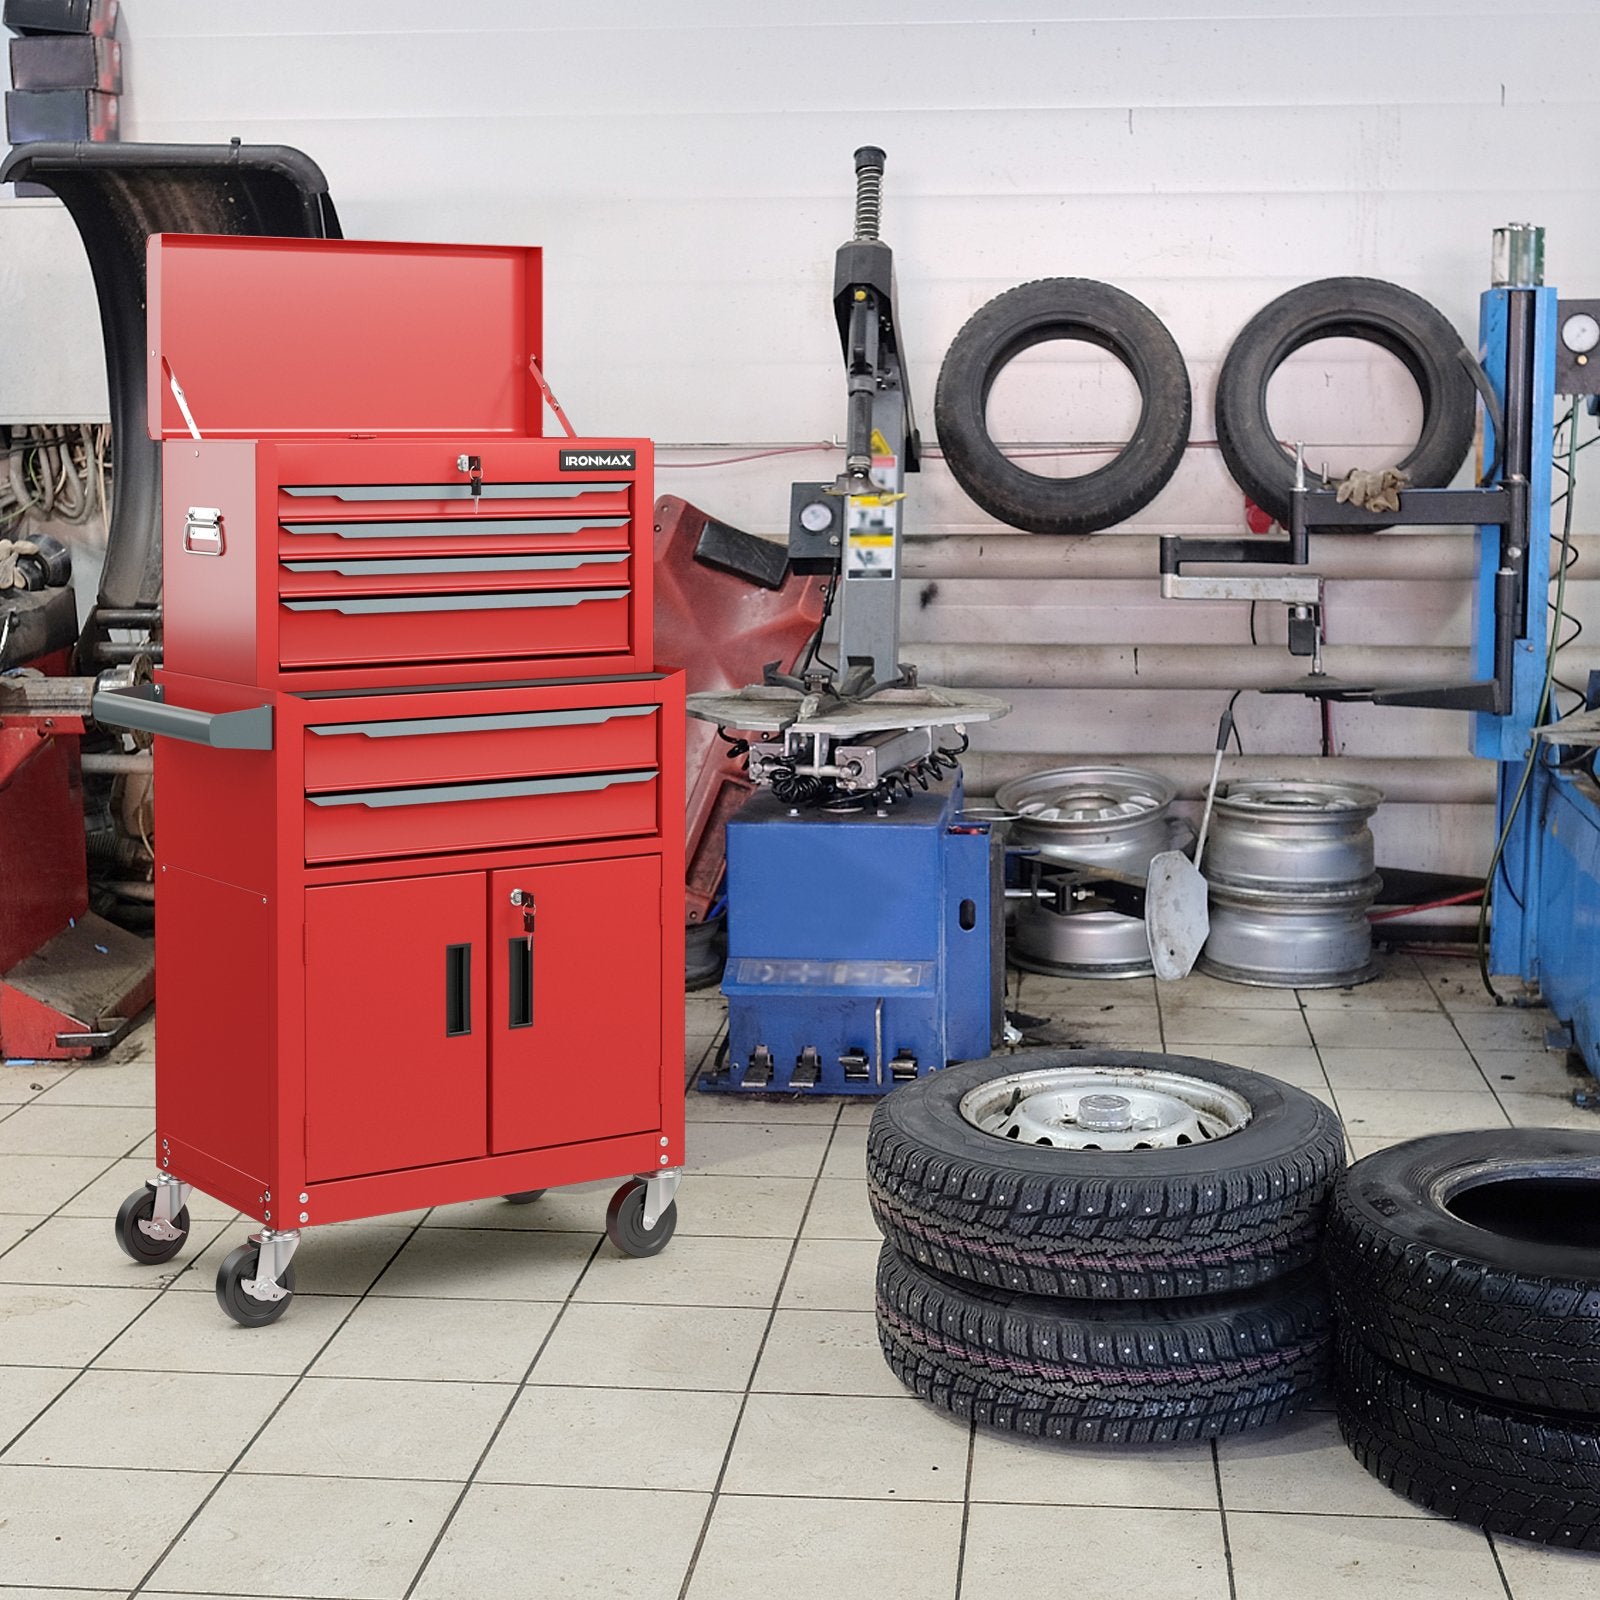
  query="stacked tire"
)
[
  {"x": 1105, "y": 1247},
  {"x": 1465, "y": 1269}
]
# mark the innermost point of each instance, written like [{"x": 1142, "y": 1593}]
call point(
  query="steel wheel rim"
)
[{"x": 1104, "y": 1108}]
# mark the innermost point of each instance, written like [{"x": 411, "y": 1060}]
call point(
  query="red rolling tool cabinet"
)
[{"x": 420, "y": 829}]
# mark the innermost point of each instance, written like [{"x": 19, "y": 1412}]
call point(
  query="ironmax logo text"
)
[{"x": 598, "y": 460}]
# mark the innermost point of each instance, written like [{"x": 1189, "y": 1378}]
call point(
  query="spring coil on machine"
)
[{"x": 804, "y": 789}]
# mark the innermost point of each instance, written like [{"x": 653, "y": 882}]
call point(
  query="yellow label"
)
[
  {"x": 880, "y": 445},
  {"x": 876, "y": 499},
  {"x": 881, "y": 539}
]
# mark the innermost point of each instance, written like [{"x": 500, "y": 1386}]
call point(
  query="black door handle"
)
[{"x": 457, "y": 990}]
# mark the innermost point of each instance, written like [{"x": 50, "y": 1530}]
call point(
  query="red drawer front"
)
[
  {"x": 360, "y": 755},
  {"x": 451, "y": 574},
  {"x": 463, "y": 627},
  {"x": 341, "y": 502},
  {"x": 346, "y": 538},
  {"x": 478, "y": 816}
]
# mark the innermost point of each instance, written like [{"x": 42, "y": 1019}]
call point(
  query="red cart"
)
[{"x": 420, "y": 843}]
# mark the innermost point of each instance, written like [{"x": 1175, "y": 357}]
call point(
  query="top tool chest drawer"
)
[{"x": 355, "y": 490}]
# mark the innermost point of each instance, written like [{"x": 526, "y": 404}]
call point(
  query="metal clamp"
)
[
  {"x": 276, "y": 1249},
  {"x": 172, "y": 1195},
  {"x": 660, "y": 1188}
]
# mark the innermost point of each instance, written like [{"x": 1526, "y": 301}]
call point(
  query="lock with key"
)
[
  {"x": 474, "y": 466},
  {"x": 524, "y": 902}
]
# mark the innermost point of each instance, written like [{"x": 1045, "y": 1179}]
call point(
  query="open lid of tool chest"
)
[{"x": 317, "y": 338}]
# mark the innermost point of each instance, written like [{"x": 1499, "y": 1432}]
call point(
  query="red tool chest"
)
[{"x": 420, "y": 833}]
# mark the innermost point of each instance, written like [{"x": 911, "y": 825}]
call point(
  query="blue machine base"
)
[
  {"x": 1565, "y": 909},
  {"x": 863, "y": 949}
]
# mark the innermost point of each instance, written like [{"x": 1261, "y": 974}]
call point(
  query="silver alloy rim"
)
[{"x": 1104, "y": 1108}]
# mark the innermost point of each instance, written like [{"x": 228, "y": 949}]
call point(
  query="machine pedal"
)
[
  {"x": 854, "y": 1065},
  {"x": 903, "y": 1067},
  {"x": 807, "y": 1072},
  {"x": 759, "y": 1073}
]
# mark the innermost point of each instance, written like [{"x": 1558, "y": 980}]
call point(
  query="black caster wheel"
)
[
  {"x": 625, "y": 1223},
  {"x": 140, "y": 1206},
  {"x": 524, "y": 1197},
  {"x": 244, "y": 1308}
]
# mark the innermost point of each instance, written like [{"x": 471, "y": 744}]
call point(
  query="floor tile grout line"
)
[
  {"x": 1499, "y": 1565},
  {"x": 755, "y": 1365},
  {"x": 494, "y": 1435},
  {"x": 127, "y": 1155},
  {"x": 1222, "y": 1514},
  {"x": 266, "y": 1422},
  {"x": 966, "y": 1508},
  {"x": 143, "y": 1311}
]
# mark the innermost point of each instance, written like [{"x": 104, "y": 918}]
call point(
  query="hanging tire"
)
[
  {"x": 1093, "y": 1372},
  {"x": 1033, "y": 313},
  {"x": 1529, "y": 1474},
  {"x": 973, "y": 1172},
  {"x": 1473, "y": 1259},
  {"x": 1420, "y": 337}
]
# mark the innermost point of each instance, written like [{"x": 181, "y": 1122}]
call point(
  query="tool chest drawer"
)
[
  {"x": 351, "y": 630},
  {"x": 459, "y": 749},
  {"x": 366, "y": 824},
  {"x": 453, "y": 501},
  {"x": 453, "y": 574},
  {"x": 493, "y": 535}
]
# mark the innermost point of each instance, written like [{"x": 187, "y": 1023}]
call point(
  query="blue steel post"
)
[{"x": 1508, "y": 739}]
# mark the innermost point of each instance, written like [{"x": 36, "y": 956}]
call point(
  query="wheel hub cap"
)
[{"x": 1105, "y": 1108}]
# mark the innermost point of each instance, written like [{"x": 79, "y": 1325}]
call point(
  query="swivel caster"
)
[
  {"x": 148, "y": 1237},
  {"x": 524, "y": 1197},
  {"x": 626, "y": 1226},
  {"x": 253, "y": 1294}
]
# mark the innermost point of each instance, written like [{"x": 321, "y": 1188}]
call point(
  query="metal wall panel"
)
[{"x": 687, "y": 170}]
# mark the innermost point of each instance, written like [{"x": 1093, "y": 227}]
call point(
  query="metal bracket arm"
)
[
  {"x": 660, "y": 1188},
  {"x": 276, "y": 1250}
]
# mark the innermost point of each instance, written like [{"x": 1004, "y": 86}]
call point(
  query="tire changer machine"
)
[
  {"x": 864, "y": 910},
  {"x": 1544, "y": 877}
]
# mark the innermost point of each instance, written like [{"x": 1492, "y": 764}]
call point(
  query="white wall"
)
[{"x": 687, "y": 169}]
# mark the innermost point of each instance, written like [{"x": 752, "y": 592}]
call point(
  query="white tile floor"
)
[{"x": 485, "y": 1401}]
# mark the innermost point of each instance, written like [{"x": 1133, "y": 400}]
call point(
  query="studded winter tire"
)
[
  {"x": 1530, "y": 1474},
  {"x": 1103, "y": 1175},
  {"x": 1473, "y": 1259},
  {"x": 1097, "y": 1372}
]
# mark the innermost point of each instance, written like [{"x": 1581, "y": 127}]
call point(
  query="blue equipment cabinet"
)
[{"x": 864, "y": 946}]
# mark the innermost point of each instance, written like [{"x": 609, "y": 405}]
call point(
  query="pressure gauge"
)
[
  {"x": 1580, "y": 333},
  {"x": 817, "y": 517}
]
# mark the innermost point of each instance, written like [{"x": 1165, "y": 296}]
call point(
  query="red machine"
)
[{"x": 420, "y": 864}]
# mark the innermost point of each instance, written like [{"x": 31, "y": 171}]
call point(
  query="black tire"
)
[
  {"x": 1090, "y": 1372},
  {"x": 625, "y": 1223},
  {"x": 140, "y": 1206},
  {"x": 1384, "y": 314},
  {"x": 1492, "y": 1290},
  {"x": 524, "y": 1197},
  {"x": 1206, "y": 1218},
  {"x": 1529, "y": 1474},
  {"x": 1030, "y": 314},
  {"x": 244, "y": 1308}
]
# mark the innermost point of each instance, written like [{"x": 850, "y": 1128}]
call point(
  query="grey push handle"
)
[{"x": 140, "y": 706}]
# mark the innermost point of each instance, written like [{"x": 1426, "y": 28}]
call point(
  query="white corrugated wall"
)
[{"x": 687, "y": 169}]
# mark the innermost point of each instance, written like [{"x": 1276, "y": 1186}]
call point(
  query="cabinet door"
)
[
  {"x": 576, "y": 1002},
  {"x": 396, "y": 1031}
]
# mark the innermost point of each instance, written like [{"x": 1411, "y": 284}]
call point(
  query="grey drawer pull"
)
[
  {"x": 459, "y": 527},
  {"x": 447, "y": 491},
  {"x": 140, "y": 707},
  {"x": 412, "y": 726},
  {"x": 423, "y": 564},
  {"x": 453, "y": 793},
  {"x": 454, "y": 602}
]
